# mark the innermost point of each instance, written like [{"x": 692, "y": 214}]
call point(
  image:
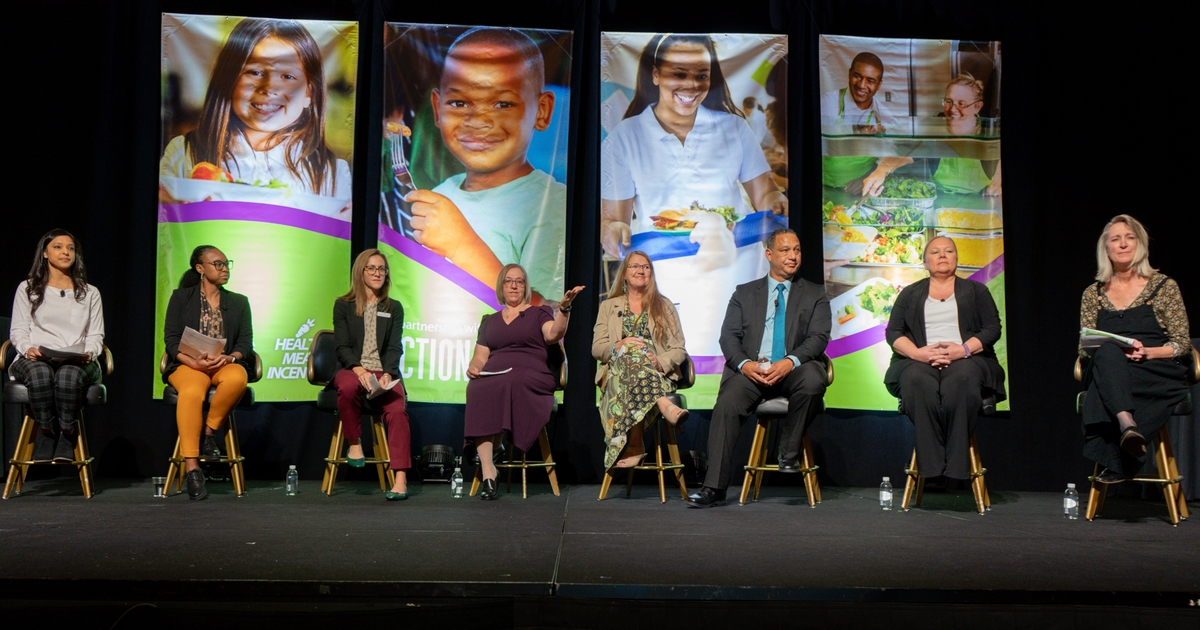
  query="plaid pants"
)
[{"x": 55, "y": 390}]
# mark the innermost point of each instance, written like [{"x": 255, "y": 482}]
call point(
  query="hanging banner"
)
[
  {"x": 258, "y": 129},
  {"x": 474, "y": 178},
  {"x": 910, "y": 140},
  {"x": 693, "y": 171}
]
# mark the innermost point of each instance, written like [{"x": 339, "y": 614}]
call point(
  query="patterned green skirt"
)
[{"x": 630, "y": 396}]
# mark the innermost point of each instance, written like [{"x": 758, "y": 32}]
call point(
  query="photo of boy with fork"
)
[{"x": 489, "y": 101}]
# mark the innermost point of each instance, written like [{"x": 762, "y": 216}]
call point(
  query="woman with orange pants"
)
[{"x": 202, "y": 303}]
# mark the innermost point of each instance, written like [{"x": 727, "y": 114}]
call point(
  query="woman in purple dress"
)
[{"x": 511, "y": 386}]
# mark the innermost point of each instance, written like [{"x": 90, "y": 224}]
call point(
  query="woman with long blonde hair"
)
[{"x": 639, "y": 340}]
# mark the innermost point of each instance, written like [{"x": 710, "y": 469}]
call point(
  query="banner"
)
[
  {"x": 258, "y": 129},
  {"x": 693, "y": 171},
  {"x": 474, "y": 178},
  {"x": 910, "y": 140}
]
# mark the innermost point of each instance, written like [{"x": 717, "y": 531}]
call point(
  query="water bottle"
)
[
  {"x": 292, "y": 486},
  {"x": 456, "y": 480},
  {"x": 1071, "y": 502},
  {"x": 885, "y": 494}
]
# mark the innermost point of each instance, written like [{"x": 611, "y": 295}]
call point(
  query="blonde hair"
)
[
  {"x": 967, "y": 79},
  {"x": 654, "y": 303},
  {"x": 358, "y": 287},
  {"x": 1141, "y": 255},
  {"x": 500, "y": 283}
]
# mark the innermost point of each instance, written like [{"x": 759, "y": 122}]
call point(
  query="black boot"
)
[
  {"x": 64, "y": 450},
  {"x": 43, "y": 445}
]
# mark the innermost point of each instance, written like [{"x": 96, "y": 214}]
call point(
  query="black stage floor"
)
[{"x": 124, "y": 545}]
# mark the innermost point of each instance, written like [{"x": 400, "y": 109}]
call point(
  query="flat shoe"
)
[
  {"x": 359, "y": 462},
  {"x": 395, "y": 496},
  {"x": 1133, "y": 442}
]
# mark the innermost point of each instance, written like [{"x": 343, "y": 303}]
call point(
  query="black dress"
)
[{"x": 1149, "y": 389}]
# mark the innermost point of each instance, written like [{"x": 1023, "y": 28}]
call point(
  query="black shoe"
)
[
  {"x": 1107, "y": 476},
  {"x": 43, "y": 446},
  {"x": 195, "y": 484},
  {"x": 489, "y": 492},
  {"x": 64, "y": 450},
  {"x": 209, "y": 448},
  {"x": 1133, "y": 442},
  {"x": 786, "y": 466},
  {"x": 706, "y": 498}
]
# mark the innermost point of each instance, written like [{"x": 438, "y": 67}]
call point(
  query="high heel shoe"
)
[
  {"x": 489, "y": 491},
  {"x": 630, "y": 461},
  {"x": 679, "y": 416}
]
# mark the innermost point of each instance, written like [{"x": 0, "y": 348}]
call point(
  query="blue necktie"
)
[{"x": 778, "y": 345}]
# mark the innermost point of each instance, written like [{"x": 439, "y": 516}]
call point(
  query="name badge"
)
[{"x": 382, "y": 314}]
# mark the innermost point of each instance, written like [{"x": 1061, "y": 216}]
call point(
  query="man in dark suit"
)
[{"x": 773, "y": 337}]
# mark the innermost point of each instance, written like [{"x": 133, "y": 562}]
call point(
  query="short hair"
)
[
  {"x": 749, "y": 101},
  {"x": 925, "y": 250},
  {"x": 968, "y": 80},
  {"x": 777, "y": 233},
  {"x": 510, "y": 39},
  {"x": 870, "y": 59},
  {"x": 500, "y": 283},
  {"x": 1141, "y": 256}
]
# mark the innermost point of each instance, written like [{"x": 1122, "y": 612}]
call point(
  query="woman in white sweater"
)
[{"x": 56, "y": 309}]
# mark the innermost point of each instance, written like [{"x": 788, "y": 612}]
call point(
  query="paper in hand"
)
[
  {"x": 1091, "y": 339},
  {"x": 196, "y": 345},
  {"x": 72, "y": 354},
  {"x": 377, "y": 389}
]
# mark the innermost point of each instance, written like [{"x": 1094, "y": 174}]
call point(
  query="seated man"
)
[{"x": 774, "y": 333}]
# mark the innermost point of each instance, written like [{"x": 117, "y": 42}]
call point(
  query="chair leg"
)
[
  {"x": 331, "y": 467},
  {"x": 1096, "y": 495},
  {"x": 512, "y": 454},
  {"x": 976, "y": 477},
  {"x": 764, "y": 451},
  {"x": 174, "y": 471},
  {"x": 544, "y": 442},
  {"x": 381, "y": 453},
  {"x": 1173, "y": 473},
  {"x": 810, "y": 476},
  {"x": 16, "y": 472},
  {"x": 910, "y": 482},
  {"x": 476, "y": 479},
  {"x": 673, "y": 450},
  {"x": 604, "y": 485},
  {"x": 755, "y": 456},
  {"x": 629, "y": 481},
  {"x": 524, "y": 475},
  {"x": 1171, "y": 488},
  {"x": 658, "y": 461},
  {"x": 235, "y": 456},
  {"x": 82, "y": 455}
]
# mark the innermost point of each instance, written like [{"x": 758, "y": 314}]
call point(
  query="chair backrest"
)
[
  {"x": 828, "y": 369},
  {"x": 322, "y": 358},
  {"x": 556, "y": 359},
  {"x": 687, "y": 373}
]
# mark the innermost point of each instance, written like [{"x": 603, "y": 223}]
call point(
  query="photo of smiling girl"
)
[{"x": 262, "y": 124}]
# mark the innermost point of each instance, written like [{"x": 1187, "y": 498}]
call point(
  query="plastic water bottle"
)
[
  {"x": 1071, "y": 502},
  {"x": 885, "y": 494},
  {"x": 456, "y": 480},
  {"x": 292, "y": 486}
]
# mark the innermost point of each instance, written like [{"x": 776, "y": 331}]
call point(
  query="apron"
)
[
  {"x": 838, "y": 171},
  {"x": 961, "y": 175}
]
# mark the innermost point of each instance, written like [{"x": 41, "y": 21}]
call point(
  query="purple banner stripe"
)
[
  {"x": 871, "y": 336},
  {"x": 709, "y": 365},
  {"x": 256, "y": 212},
  {"x": 439, "y": 265}
]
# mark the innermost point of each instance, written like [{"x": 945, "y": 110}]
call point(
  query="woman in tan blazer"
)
[{"x": 639, "y": 342}]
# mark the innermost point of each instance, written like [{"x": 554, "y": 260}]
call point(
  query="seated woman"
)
[
  {"x": 941, "y": 332},
  {"x": 1130, "y": 392},
  {"x": 202, "y": 303},
  {"x": 639, "y": 342},
  {"x": 367, "y": 313},
  {"x": 57, "y": 309},
  {"x": 520, "y": 399}
]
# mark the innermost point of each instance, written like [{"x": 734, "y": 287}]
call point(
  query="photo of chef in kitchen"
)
[
  {"x": 910, "y": 136},
  {"x": 693, "y": 170}
]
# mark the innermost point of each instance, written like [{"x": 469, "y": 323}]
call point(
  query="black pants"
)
[
  {"x": 943, "y": 405},
  {"x": 736, "y": 400},
  {"x": 56, "y": 391}
]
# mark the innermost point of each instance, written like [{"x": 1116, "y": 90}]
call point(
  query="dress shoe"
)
[
  {"x": 64, "y": 450},
  {"x": 1133, "y": 442},
  {"x": 706, "y": 498},
  {"x": 194, "y": 479},
  {"x": 786, "y": 466},
  {"x": 1107, "y": 476},
  {"x": 209, "y": 448},
  {"x": 43, "y": 447},
  {"x": 396, "y": 496},
  {"x": 489, "y": 491}
]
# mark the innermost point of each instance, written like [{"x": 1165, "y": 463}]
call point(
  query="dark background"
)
[{"x": 1094, "y": 99}]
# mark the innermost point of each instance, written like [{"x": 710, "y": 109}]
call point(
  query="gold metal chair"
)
[
  {"x": 914, "y": 485},
  {"x": 1168, "y": 476},
  {"x": 17, "y": 393},
  {"x": 556, "y": 357},
  {"x": 756, "y": 468},
  {"x": 322, "y": 367},
  {"x": 663, "y": 435},
  {"x": 233, "y": 450}
]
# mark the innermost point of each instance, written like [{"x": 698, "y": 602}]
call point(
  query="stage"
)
[{"x": 356, "y": 552}]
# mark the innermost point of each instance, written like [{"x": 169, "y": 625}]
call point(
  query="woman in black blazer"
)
[
  {"x": 367, "y": 313},
  {"x": 942, "y": 332},
  {"x": 202, "y": 303}
]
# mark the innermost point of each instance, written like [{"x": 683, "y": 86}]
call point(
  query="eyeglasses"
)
[
  {"x": 372, "y": 270},
  {"x": 516, "y": 282},
  {"x": 221, "y": 265},
  {"x": 639, "y": 267},
  {"x": 960, "y": 105}
]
